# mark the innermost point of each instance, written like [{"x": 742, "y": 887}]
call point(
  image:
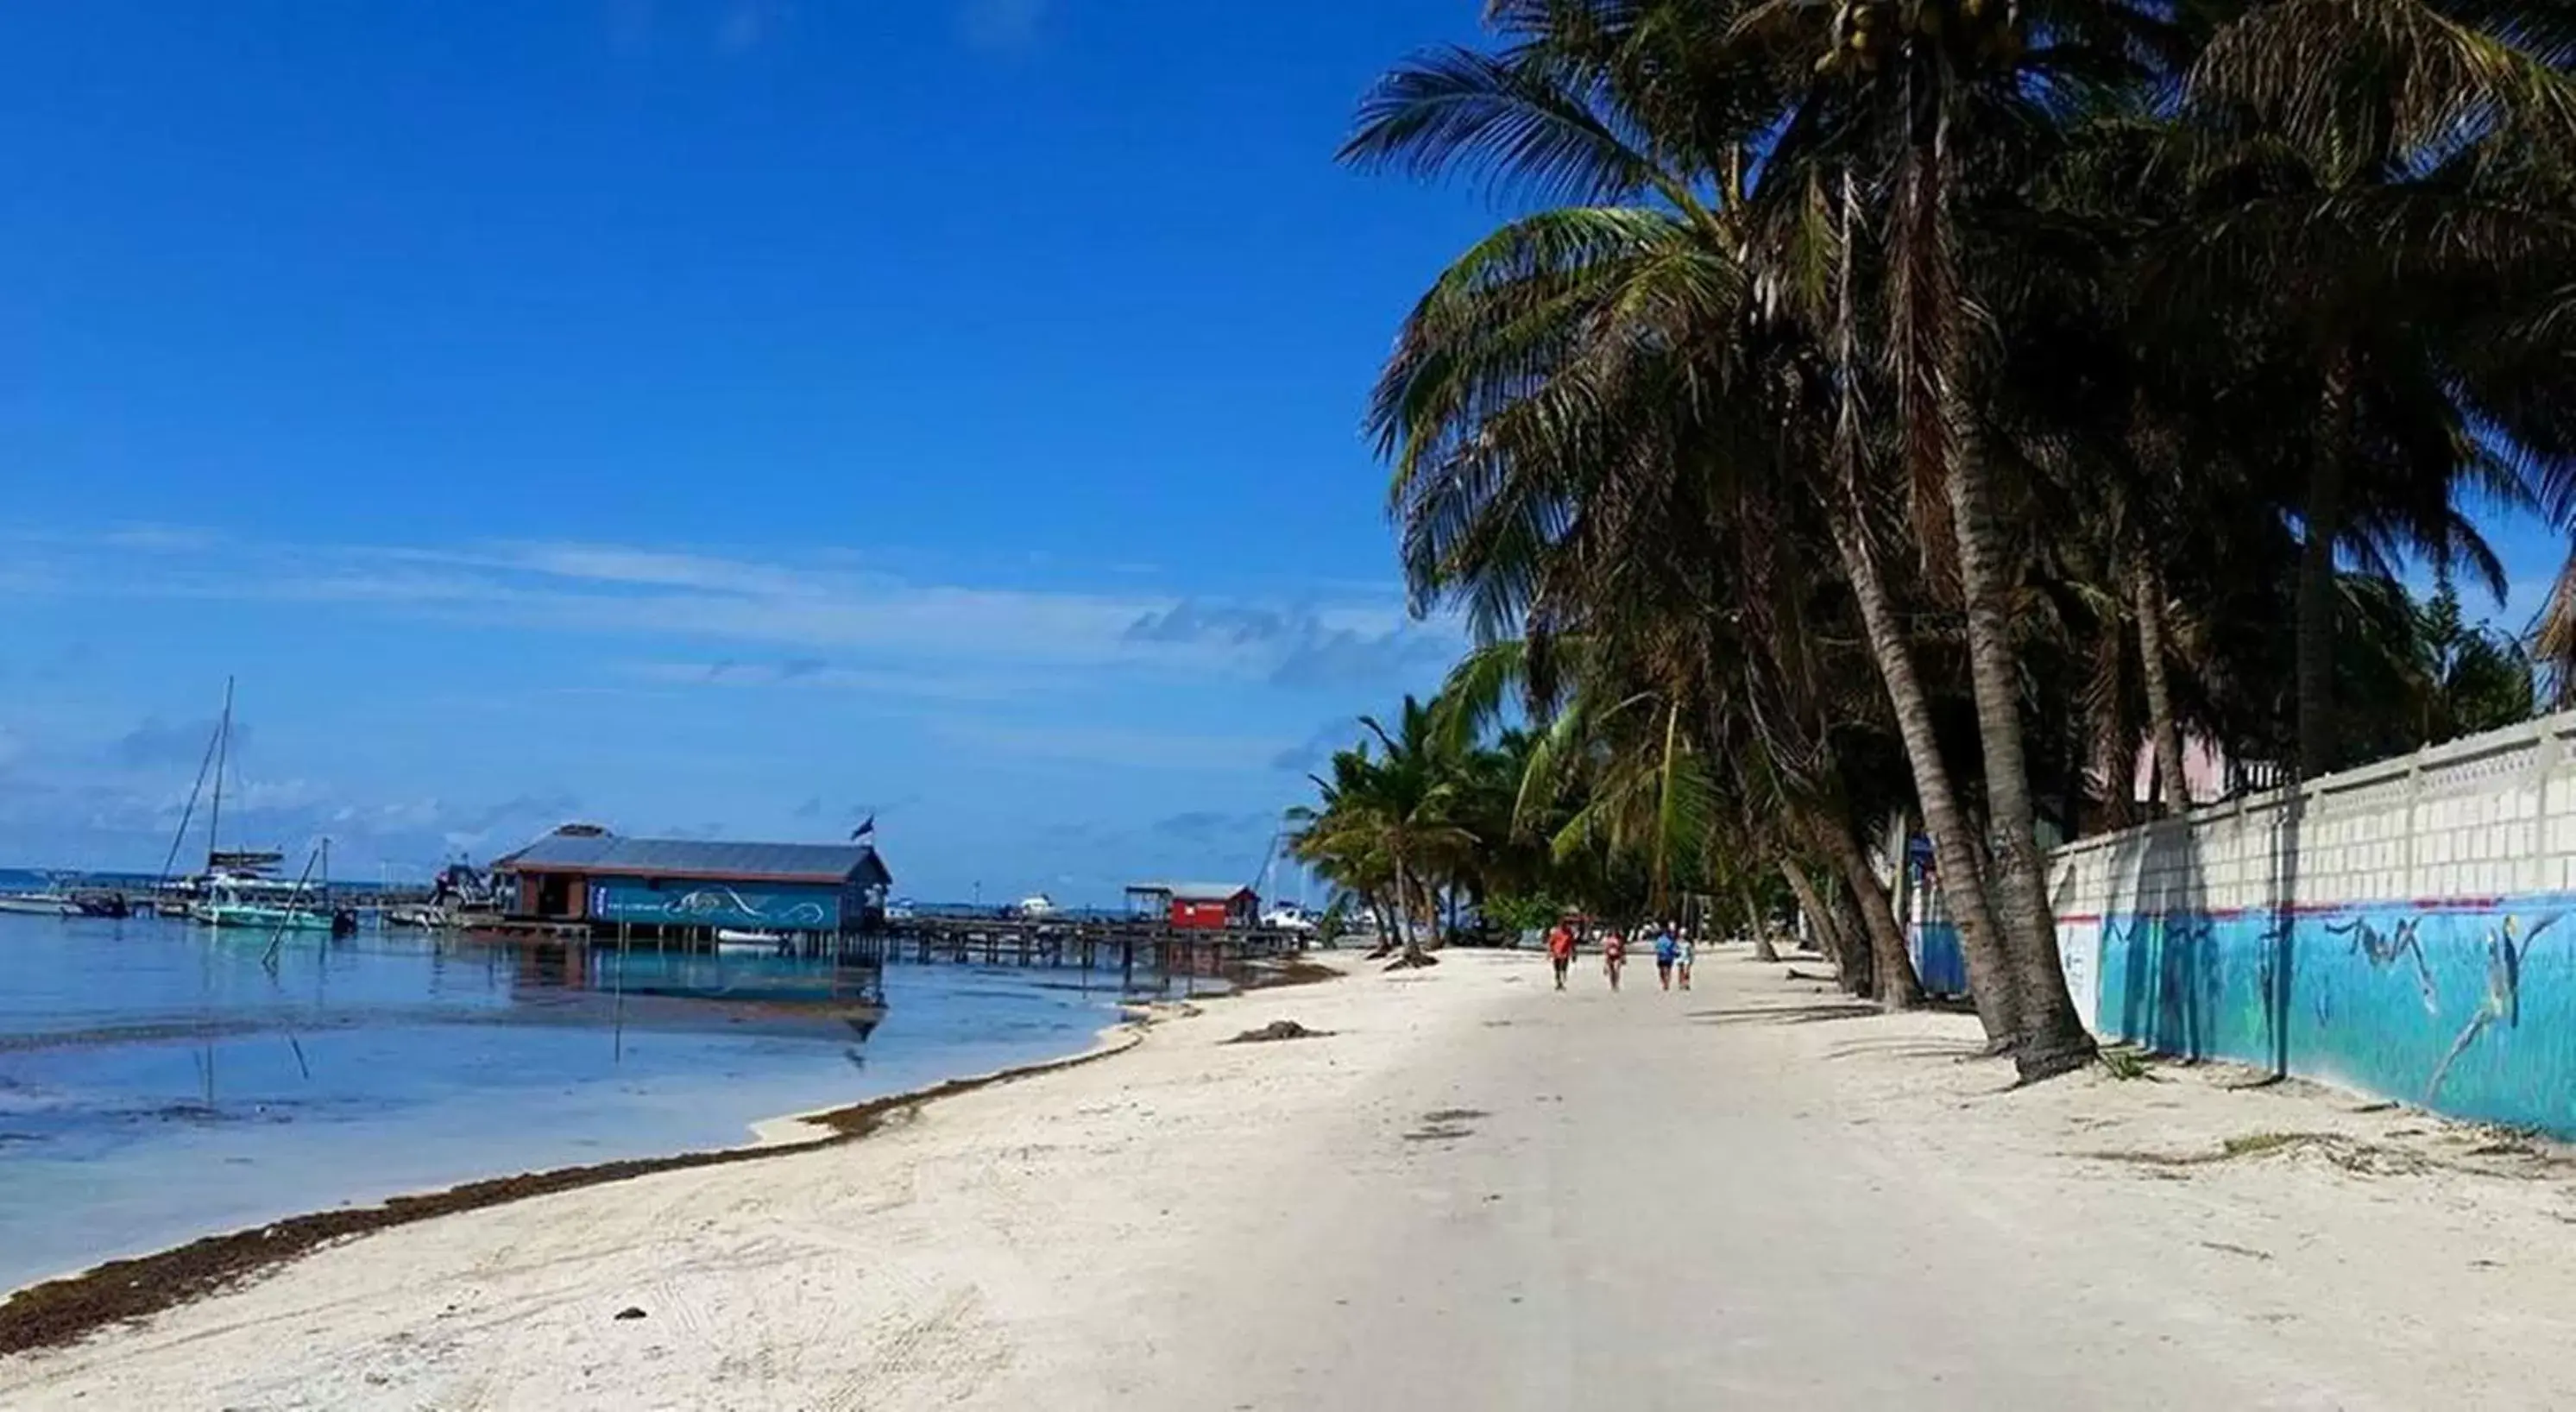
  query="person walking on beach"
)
[
  {"x": 1667, "y": 951},
  {"x": 1614, "y": 954},
  {"x": 1560, "y": 951},
  {"x": 1682, "y": 963}
]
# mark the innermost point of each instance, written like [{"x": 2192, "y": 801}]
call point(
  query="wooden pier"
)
[
  {"x": 1086, "y": 943},
  {"x": 1128, "y": 946}
]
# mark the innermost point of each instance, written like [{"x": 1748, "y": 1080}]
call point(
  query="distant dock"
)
[
  {"x": 1087, "y": 943},
  {"x": 1149, "y": 943}
]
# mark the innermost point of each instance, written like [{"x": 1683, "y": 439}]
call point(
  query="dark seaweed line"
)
[
  {"x": 121, "y": 1291},
  {"x": 59, "y": 1311}
]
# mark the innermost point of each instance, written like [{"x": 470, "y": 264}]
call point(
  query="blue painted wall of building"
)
[
  {"x": 2468, "y": 1008},
  {"x": 681, "y": 903},
  {"x": 1938, "y": 960}
]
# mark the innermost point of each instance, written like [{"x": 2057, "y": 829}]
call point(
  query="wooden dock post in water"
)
[{"x": 617, "y": 1045}]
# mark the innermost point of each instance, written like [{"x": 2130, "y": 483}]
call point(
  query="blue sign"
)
[{"x": 680, "y": 903}]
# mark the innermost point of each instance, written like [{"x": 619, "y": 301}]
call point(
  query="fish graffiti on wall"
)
[
  {"x": 724, "y": 902},
  {"x": 2383, "y": 951},
  {"x": 2503, "y": 999}
]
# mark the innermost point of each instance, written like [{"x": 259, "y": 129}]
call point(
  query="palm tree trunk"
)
[
  {"x": 1408, "y": 910},
  {"x": 1418, "y": 913},
  {"x": 1992, "y": 983},
  {"x": 1863, "y": 965},
  {"x": 1896, "y": 984},
  {"x": 2049, "y": 1038},
  {"x": 2147, "y": 588},
  {"x": 1828, "y": 927},
  {"x": 1763, "y": 949},
  {"x": 2323, "y": 515}
]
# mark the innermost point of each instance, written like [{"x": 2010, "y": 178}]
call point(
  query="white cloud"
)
[
  {"x": 1304, "y": 646},
  {"x": 75, "y": 808},
  {"x": 813, "y": 674},
  {"x": 793, "y": 609},
  {"x": 158, "y": 536},
  {"x": 1112, "y": 745}
]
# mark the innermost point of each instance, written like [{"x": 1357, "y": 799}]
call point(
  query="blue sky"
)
[
  {"x": 724, "y": 416},
  {"x": 709, "y": 416}
]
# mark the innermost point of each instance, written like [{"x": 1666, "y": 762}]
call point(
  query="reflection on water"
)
[
  {"x": 791, "y": 986},
  {"x": 158, "y": 1081}
]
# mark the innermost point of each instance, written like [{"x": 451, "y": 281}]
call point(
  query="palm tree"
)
[
  {"x": 1927, "y": 114},
  {"x": 1386, "y": 827},
  {"x": 1984, "y": 305},
  {"x": 1537, "y": 391},
  {"x": 1340, "y": 837},
  {"x": 2388, "y": 182}
]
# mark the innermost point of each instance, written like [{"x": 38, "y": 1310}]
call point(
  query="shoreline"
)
[
  {"x": 60, "y": 1310},
  {"x": 53, "y": 1312},
  {"x": 1461, "y": 1188}
]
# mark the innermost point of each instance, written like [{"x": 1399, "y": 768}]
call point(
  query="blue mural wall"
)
[
  {"x": 1938, "y": 960},
  {"x": 680, "y": 903},
  {"x": 2467, "y": 1007}
]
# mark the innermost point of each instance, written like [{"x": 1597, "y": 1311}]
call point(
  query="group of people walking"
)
[{"x": 1674, "y": 953}]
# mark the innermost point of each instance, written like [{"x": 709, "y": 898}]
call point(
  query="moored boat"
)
[
  {"x": 272, "y": 908},
  {"x": 236, "y": 890},
  {"x": 38, "y": 904},
  {"x": 111, "y": 905}
]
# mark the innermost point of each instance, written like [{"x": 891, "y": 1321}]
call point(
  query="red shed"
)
[{"x": 1197, "y": 906}]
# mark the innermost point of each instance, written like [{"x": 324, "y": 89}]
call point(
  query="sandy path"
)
[{"x": 1738, "y": 1197}]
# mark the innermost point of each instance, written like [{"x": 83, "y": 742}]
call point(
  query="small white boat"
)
[
  {"x": 38, "y": 904},
  {"x": 263, "y": 917},
  {"x": 1034, "y": 906},
  {"x": 764, "y": 943}
]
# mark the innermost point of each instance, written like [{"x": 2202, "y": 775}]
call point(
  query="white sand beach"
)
[{"x": 1475, "y": 1193}]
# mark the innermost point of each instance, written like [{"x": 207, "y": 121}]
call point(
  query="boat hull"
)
[
  {"x": 39, "y": 907},
  {"x": 253, "y": 918}
]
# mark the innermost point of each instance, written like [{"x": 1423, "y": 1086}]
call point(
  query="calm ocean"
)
[{"x": 159, "y": 1082}]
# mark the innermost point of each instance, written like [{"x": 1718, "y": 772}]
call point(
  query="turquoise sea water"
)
[{"x": 159, "y": 1081}]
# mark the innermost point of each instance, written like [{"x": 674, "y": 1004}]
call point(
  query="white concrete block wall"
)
[{"x": 2493, "y": 815}]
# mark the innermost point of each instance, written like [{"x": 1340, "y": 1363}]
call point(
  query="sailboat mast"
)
[
  {"x": 187, "y": 816},
  {"x": 223, "y": 749}
]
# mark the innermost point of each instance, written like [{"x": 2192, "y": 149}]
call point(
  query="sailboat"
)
[
  {"x": 236, "y": 890},
  {"x": 258, "y": 904}
]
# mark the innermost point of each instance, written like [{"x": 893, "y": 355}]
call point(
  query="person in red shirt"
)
[{"x": 1560, "y": 951}]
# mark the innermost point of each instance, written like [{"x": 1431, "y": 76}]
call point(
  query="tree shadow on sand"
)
[
  {"x": 1816, "y": 1013},
  {"x": 1908, "y": 1047}
]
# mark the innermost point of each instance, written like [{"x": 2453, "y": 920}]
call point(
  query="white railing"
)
[{"x": 2490, "y": 815}]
